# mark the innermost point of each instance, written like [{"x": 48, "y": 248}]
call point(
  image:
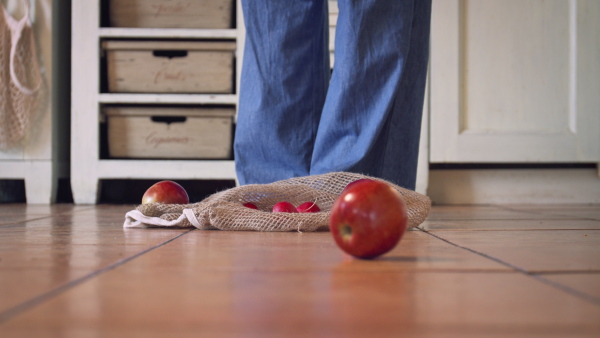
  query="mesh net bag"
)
[
  {"x": 20, "y": 77},
  {"x": 225, "y": 211}
]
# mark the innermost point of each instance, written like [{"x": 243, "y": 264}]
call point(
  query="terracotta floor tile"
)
[
  {"x": 109, "y": 209},
  {"x": 14, "y": 219},
  {"x": 93, "y": 217},
  {"x": 34, "y": 259},
  {"x": 534, "y": 251},
  {"x": 172, "y": 289},
  {"x": 586, "y": 211},
  {"x": 519, "y": 224},
  {"x": 40, "y": 209},
  {"x": 14, "y": 213},
  {"x": 483, "y": 212},
  {"x": 75, "y": 272},
  {"x": 293, "y": 251}
]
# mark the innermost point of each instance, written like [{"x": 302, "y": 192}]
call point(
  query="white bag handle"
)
[{"x": 16, "y": 30}]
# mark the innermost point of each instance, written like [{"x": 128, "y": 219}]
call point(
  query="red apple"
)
[
  {"x": 284, "y": 207},
  {"x": 166, "y": 192},
  {"x": 368, "y": 219},
  {"x": 308, "y": 207},
  {"x": 250, "y": 205}
]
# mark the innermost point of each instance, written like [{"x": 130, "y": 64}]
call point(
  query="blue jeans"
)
[{"x": 295, "y": 118}]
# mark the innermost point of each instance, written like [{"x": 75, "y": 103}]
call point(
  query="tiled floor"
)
[{"x": 468, "y": 271}]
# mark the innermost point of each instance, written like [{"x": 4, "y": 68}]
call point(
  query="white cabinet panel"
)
[{"x": 515, "y": 81}]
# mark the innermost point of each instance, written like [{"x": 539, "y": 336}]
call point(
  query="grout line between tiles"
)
[
  {"x": 22, "y": 307},
  {"x": 557, "y": 216},
  {"x": 457, "y": 219},
  {"x": 567, "y": 272},
  {"x": 43, "y": 217},
  {"x": 492, "y": 229},
  {"x": 538, "y": 277}
]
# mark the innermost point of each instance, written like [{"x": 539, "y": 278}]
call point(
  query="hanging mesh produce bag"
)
[
  {"x": 20, "y": 77},
  {"x": 225, "y": 211}
]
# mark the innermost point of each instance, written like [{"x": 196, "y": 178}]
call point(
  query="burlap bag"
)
[
  {"x": 225, "y": 211},
  {"x": 20, "y": 77}
]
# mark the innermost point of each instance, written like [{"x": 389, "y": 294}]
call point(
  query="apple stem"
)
[{"x": 346, "y": 231}]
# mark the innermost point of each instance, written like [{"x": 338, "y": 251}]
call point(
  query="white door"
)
[{"x": 515, "y": 81}]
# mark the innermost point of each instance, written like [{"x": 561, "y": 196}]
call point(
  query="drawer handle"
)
[
  {"x": 170, "y": 53},
  {"x": 169, "y": 119}
]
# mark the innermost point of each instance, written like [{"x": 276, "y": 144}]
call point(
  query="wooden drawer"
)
[
  {"x": 209, "y": 14},
  {"x": 167, "y": 132},
  {"x": 169, "y": 66}
]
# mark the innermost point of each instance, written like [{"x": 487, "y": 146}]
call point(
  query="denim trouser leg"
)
[
  {"x": 290, "y": 123},
  {"x": 284, "y": 81},
  {"x": 372, "y": 115}
]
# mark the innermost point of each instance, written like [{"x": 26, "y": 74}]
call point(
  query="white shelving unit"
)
[{"x": 87, "y": 166}]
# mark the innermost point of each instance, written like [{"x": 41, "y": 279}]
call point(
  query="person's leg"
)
[
  {"x": 284, "y": 81},
  {"x": 372, "y": 116}
]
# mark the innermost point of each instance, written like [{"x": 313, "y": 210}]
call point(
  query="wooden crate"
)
[
  {"x": 170, "y": 133},
  {"x": 169, "y": 66},
  {"x": 208, "y": 14}
]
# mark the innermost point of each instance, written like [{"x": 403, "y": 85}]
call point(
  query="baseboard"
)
[{"x": 514, "y": 186}]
